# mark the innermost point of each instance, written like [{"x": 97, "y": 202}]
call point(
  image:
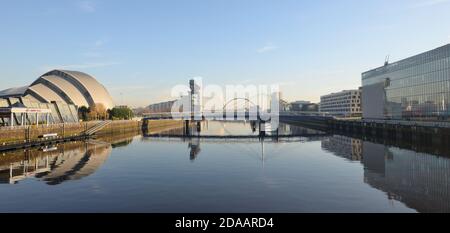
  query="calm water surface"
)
[{"x": 158, "y": 174}]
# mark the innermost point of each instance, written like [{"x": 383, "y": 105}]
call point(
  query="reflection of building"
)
[
  {"x": 345, "y": 147},
  {"x": 287, "y": 129},
  {"x": 414, "y": 88},
  {"x": 61, "y": 92},
  {"x": 421, "y": 181},
  {"x": 71, "y": 161},
  {"x": 344, "y": 104}
]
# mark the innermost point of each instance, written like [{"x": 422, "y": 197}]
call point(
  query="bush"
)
[
  {"x": 121, "y": 113},
  {"x": 95, "y": 112},
  {"x": 83, "y": 113}
]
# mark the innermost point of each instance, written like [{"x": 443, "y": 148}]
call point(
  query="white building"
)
[
  {"x": 163, "y": 107},
  {"x": 343, "y": 104}
]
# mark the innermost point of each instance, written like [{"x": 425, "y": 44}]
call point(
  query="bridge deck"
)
[{"x": 236, "y": 136}]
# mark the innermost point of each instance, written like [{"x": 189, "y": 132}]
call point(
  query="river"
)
[{"x": 303, "y": 170}]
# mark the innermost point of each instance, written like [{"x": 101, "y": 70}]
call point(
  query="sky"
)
[{"x": 140, "y": 49}]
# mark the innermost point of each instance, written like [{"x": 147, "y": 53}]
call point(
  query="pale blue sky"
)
[{"x": 143, "y": 48}]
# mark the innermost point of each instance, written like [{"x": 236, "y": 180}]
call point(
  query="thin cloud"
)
[
  {"x": 93, "y": 54},
  {"x": 267, "y": 48},
  {"x": 87, "y": 6},
  {"x": 80, "y": 66},
  {"x": 99, "y": 43},
  {"x": 95, "y": 50},
  {"x": 130, "y": 88},
  {"x": 428, "y": 3}
]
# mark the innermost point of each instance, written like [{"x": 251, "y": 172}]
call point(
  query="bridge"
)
[
  {"x": 248, "y": 111},
  {"x": 237, "y": 139},
  {"x": 223, "y": 115}
]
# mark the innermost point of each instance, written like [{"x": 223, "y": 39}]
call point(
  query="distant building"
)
[
  {"x": 343, "y": 104},
  {"x": 122, "y": 107},
  {"x": 284, "y": 105},
  {"x": 416, "y": 88},
  {"x": 163, "y": 107},
  {"x": 304, "y": 106}
]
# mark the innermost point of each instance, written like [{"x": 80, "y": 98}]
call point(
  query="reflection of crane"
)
[{"x": 194, "y": 147}]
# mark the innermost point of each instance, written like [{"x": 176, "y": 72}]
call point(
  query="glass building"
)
[
  {"x": 416, "y": 88},
  {"x": 60, "y": 112}
]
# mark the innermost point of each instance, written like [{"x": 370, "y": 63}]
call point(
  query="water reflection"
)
[
  {"x": 419, "y": 180},
  {"x": 234, "y": 129},
  {"x": 244, "y": 145},
  {"x": 346, "y": 147},
  {"x": 315, "y": 173},
  {"x": 60, "y": 163},
  {"x": 232, "y": 132},
  {"x": 194, "y": 148}
]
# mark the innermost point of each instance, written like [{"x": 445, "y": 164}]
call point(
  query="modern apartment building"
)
[{"x": 343, "y": 104}]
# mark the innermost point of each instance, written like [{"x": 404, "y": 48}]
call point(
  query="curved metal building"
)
[
  {"x": 61, "y": 91},
  {"x": 71, "y": 87}
]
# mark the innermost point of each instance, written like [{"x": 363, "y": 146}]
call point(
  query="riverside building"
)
[
  {"x": 343, "y": 104},
  {"x": 416, "y": 88},
  {"x": 53, "y": 98}
]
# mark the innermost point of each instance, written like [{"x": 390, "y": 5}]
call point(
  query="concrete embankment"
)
[
  {"x": 312, "y": 123},
  {"x": 22, "y": 137},
  {"x": 158, "y": 126},
  {"x": 415, "y": 131},
  {"x": 435, "y": 132}
]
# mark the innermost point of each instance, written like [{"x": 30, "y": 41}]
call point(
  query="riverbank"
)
[
  {"x": 158, "y": 126},
  {"x": 430, "y": 137},
  {"x": 30, "y": 136}
]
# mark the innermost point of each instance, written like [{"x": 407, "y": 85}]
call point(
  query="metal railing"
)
[
  {"x": 437, "y": 124},
  {"x": 97, "y": 128}
]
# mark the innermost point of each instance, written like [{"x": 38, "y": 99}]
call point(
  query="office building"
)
[
  {"x": 416, "y": 88},
  {"x": 343, "y": 104}
]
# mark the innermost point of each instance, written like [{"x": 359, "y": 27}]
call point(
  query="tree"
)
[
  {"x": 102, "y": 111},
  {"x": 83, "y": 113},
  {"x": 121, "y": 113},
  {"x": 98, "y": 112}
]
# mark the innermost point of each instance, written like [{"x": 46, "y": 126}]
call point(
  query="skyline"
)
[{"x": 145, "y": 49}]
